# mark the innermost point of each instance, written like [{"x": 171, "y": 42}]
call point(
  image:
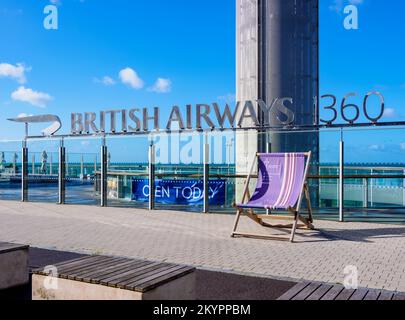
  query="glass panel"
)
[
  {"x": 380, "y": 154},
  {"x": 179, "y": 171},
  {"x": 82, "y": 170},
  {"x": 10, "y": 170},
  {"x": 43, "y": 170},
  {"x": 127, "y": 171}
]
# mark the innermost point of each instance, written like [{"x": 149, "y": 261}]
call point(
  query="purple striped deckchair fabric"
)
[{"x": 279, "y": 182}]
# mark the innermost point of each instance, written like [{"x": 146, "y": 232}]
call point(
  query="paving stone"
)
[{"x": 378, "y": 250}]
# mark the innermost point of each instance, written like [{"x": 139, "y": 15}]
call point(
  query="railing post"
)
[
  {"x": 268, "y": 150},
  {"x": 33, "y": 164},
  {"x": 371, "y": 190},
  {"x": 365, "y": 193},
  {"x": 206, "y": 178},
  {"x": 403, "y": 191},
  {"x": 24, "y": 172},
  {"x": 151, "y": 177},
  {"x": 81, "y": 167},
  {"x": 50, "y": 164},
  {"x": 104, "y": 173},
  {"x": 62, "y": 173},
  {"x": 341, "y": 179}
]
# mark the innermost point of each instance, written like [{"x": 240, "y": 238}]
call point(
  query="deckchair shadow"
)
[{"x": 281, "y": 185}]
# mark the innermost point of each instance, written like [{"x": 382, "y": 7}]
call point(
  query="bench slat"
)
[
  {"x": 64, "y": 271},
  {"x": 162, "y": 280},
  {"x": 372, "y": 295},
  {"x": 385, "y": 295},
  {"x": 345, "y": 294},
  {"x": 320, "y": 292},
  {"x": 77, "y": 275},
  {"x": 95, "y": 277},
  {"x": 115, "y": 280},
  {"x": 333, "y": 292},
  {"x": 307, "y": 291},
  {"x": 359, "y": 294},
  {"x": 143, "y": 274},
  {"x": 399, "y": 296},
  {"x": 294, "y": 291},
  {"x": 161, "y": 273}
]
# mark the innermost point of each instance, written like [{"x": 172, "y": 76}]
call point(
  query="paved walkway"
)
[{"x": 378, "y": 251}]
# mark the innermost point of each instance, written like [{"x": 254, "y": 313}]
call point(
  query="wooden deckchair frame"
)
[{"x": 295, "y": 212}]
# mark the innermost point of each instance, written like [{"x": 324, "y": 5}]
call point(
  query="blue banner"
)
[{"x": 186, "y": 192}]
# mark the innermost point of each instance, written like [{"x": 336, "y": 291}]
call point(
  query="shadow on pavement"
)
[{"x": 211, "y": 285}]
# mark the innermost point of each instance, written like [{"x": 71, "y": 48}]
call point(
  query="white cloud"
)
[
  {"x": 38, "y": 99},
  {"x": 390, "y": 113},
  {"x": 228, "y": 98},
  {"x": 162, "y": 86},
  {"x": 16, "y": 72},
  {"x": 337, "y": 5},
  {"x": 376, "y": 147},
  {"x": 129, "y": 77},
  {"x": 23, "y": 115},
  {"x": 107, "y": 81}
]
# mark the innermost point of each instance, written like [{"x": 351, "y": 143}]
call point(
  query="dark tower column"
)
[
  {"x": 288, "y": 66},
  {"x": 277, "y": 57}
]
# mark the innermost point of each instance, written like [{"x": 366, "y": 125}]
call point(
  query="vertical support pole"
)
[
  {"x": 268, "y": 147},
  {"x": 67, "y": 164},
  {"x": 206, "y": 177},
  {"x": 365, "y": 193},
  {"x": 81, "y": 168},
  {"x": 268, "y": 150},
  {"x": 341, "y": 178},
  {"x": 371, "y": 190},
  {"x": 50, "y": 164},
  {"x": 403, "y": 190},
  {"x": 62, "y": 173},
  {"x": 24, "y": 172},
  {"x": 103, "y": 179},
  {"x": 151, "y": 177},
  {"x": 33, "y": 164}
]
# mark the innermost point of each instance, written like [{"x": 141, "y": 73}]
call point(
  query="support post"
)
[
  {"x": 62, "y": 173},
  {"x": 151, "y": 177},
  {"x": 268, "y": 147},
  {"x": 365, "y": 193},
  {"x": 33, "y": 164},
  {"x": 104, "y": 173},
  {"x": 24, "y": 173},
  {"x": 341, "y": 179},
  {"x": 206, "y": 177},
  {"x": 268, "y": 150},
  {"x": 371, "y": 190},
  {"x": 81, "y": 167},
  {"x": 50, "y": 164},
  {"x": 403, "y": 191}
]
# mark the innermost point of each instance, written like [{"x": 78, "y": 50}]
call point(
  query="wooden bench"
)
[
  {"x": 110, "y": 278},
  {"x": 323, "y": 291},
  {"x": 13, "y": 265}
]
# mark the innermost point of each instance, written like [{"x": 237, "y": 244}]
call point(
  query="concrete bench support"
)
[
  {"x": 108, "y": 278},
  {"x": 13, "y": 265}
]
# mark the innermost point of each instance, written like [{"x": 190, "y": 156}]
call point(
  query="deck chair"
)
[{"x": 281, "y": 185}]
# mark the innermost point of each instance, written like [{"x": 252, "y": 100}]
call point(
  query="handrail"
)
[{"x": 241, "y": 176}]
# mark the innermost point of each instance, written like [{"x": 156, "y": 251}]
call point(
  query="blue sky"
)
[{"x": 190, "y": 47}]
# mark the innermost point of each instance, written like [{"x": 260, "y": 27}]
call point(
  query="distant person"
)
[
  {"x": 15, "y": 158},
  {"x": 2, "y": 161},
  {"x": 44, "y": 160}
]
